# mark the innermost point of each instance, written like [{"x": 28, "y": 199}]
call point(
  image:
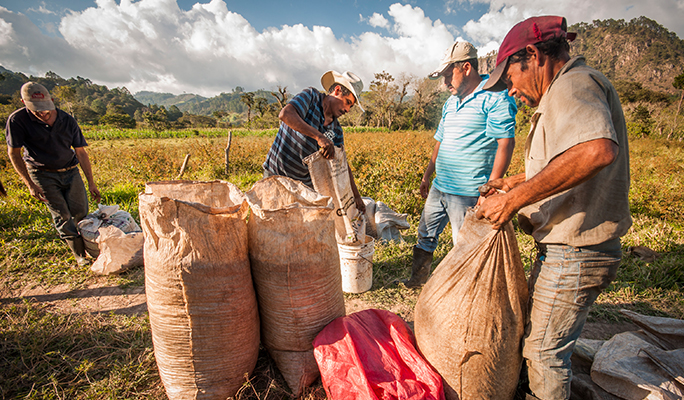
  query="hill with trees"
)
[{"x": 168, "y": 99}]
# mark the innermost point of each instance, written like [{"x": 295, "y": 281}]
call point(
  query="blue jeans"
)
[
  {"x": 564, "y": 283},
  {"x": 66, "y": 199},
  {"x": 439, "y": 209}
]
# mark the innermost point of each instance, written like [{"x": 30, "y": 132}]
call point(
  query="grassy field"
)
[{"x": 47, "y": 353}]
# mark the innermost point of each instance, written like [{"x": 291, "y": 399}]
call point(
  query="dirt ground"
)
[{"x": 99, "y": 297}]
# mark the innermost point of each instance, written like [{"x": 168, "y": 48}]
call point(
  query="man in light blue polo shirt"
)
[{"x": 475, "y": 141}]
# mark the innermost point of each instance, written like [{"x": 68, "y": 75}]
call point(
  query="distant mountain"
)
[
  {"x": 195, "y": 104},
  {"x": 640, "y": 51},
  {"x": 168, "y": 99}
]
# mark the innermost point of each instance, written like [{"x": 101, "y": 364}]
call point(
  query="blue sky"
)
[
  {"x": 212, "y": 46},
  {"x": 343, "y": 16}
]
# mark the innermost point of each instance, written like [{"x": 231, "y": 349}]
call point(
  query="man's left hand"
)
[
  {"x": 496, "y": 209},
  {"x": 94, "y": 193}
]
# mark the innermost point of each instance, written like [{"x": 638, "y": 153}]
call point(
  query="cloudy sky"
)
[{"x": 212, "y": 46}]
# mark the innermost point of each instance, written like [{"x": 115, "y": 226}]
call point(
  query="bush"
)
[{"x": 118, "y": 120}]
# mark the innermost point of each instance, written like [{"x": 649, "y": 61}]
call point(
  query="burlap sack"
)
[
  {"x": 330, "y": 177},
  {"x": 200, "y": 298},
  {"x": 296, "y": 272},
  {"x": 470, "y": 316}
]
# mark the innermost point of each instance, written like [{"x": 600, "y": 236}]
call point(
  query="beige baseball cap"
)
[
  {"x": 36, "y": 97},
  {"x": 348, "y": 80},
  {"x": 459, "y": 51}
]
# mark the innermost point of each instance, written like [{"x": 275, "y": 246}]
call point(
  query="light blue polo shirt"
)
[{"x": 467, "y": 134}]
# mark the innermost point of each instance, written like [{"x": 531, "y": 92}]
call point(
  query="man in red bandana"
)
[{"x": 573, "y": 196}]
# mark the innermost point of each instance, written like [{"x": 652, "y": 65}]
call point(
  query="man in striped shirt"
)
[
  {"x": 309, "y": 122},
  {"x": 475, "y": 141}
]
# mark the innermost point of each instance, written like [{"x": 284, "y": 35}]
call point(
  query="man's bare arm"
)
[
  {"x": 571, "y": 168},
  {"x": 84, "y": 160},
  {"x": 20, "y": 166},
  {"x": 292, "y": 119}
]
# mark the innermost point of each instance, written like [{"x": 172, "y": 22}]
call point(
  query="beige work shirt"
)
[{"x": 580, "y": 105}]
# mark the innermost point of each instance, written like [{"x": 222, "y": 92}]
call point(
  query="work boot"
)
[
  {"x": 420, "y": 270},
  {"x": 78, "y": 248}
]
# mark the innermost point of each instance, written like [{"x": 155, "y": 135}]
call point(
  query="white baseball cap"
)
[{"x": 348, "y": 79}]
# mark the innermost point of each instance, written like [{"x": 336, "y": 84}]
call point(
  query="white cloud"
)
[
  {"x": 154, "y": 45},
  {"x": 378, "y": 21},
  {"x": 503, "y": 14},
  {"x": 42, "y": 9}
]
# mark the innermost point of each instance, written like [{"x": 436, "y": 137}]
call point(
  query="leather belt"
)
[{"x": 55, "y": 170}]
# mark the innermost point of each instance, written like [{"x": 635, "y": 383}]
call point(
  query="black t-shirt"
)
[{"x": 45, "y": 146}]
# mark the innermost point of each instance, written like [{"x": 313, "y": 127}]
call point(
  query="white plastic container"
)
[{"x": 356, "y": 265}]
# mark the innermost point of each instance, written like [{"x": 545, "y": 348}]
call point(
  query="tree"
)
[
  {"x": 643, "y": 119},
  {"x": 66, "y": 96},
  {"x": 261, "y": 105},
  {"x": 426, "y": 92},
  {"x": 382, "y": 98},
  {"x": 678, "y": 84},
  {"x": 118, "y": 120},
  {"x": 248, "y": 99},
  {"x": 281, "y": 96}
]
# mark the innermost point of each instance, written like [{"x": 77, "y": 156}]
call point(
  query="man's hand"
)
[
  {"x": 424, "y": 188},
  {"x": 497, "y": 209},
  {"x": 37, "y": 192},
  {"x": 94, "y": 193},
  {"x": 327, "y": 146},
  {"x": 494, "y": 186}
]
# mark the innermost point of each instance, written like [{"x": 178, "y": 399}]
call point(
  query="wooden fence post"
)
[
  {"x": 230, "y": 139},
  {"x": 185, "y": 164}
]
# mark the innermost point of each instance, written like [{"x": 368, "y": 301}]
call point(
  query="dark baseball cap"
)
[{"x": 530, "y": 31}]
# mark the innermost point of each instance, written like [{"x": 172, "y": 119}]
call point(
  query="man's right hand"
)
[
  {"x": 493, "y": 186},
  {"x": 424, "y": 188},
  {"x": 327, "y": 146},
  {"x": 37, "y": 192}
]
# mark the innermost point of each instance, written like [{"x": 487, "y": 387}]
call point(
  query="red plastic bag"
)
[{"x": 372, "y": 355}]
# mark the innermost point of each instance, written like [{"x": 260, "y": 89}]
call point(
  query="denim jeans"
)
[
  {"x": 564, "y": 283},
  {"x": 66, "y": 199},
  {"x": 439, "y": 209}
]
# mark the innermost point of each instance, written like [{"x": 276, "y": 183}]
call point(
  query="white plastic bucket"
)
[{"x": 356, "y": 265}]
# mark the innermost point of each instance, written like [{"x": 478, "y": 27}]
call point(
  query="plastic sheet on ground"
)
[
  {"x": 371, "y": 355},
  {"x": 645, "y": 364}
]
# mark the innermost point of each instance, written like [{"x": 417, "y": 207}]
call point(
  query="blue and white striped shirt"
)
[
  {"x": 290, "y": 147},
  {"x": 467, "y": 134}
]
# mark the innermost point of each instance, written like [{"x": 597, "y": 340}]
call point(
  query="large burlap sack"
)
[
  {"x": 200, "y": 297},
  {"x": 119, "y": 251},
  {"x": 296, "y": 272},
  {"x": 89, "y": 227},
  {"x": 470, "y": 316},
  {"x": 330, "y": 177}
]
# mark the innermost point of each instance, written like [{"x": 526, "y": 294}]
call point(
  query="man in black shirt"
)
[{"x": 48, "y": 166}]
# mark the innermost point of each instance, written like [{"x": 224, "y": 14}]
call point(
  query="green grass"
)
[{"x": 46, "y": 353}]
